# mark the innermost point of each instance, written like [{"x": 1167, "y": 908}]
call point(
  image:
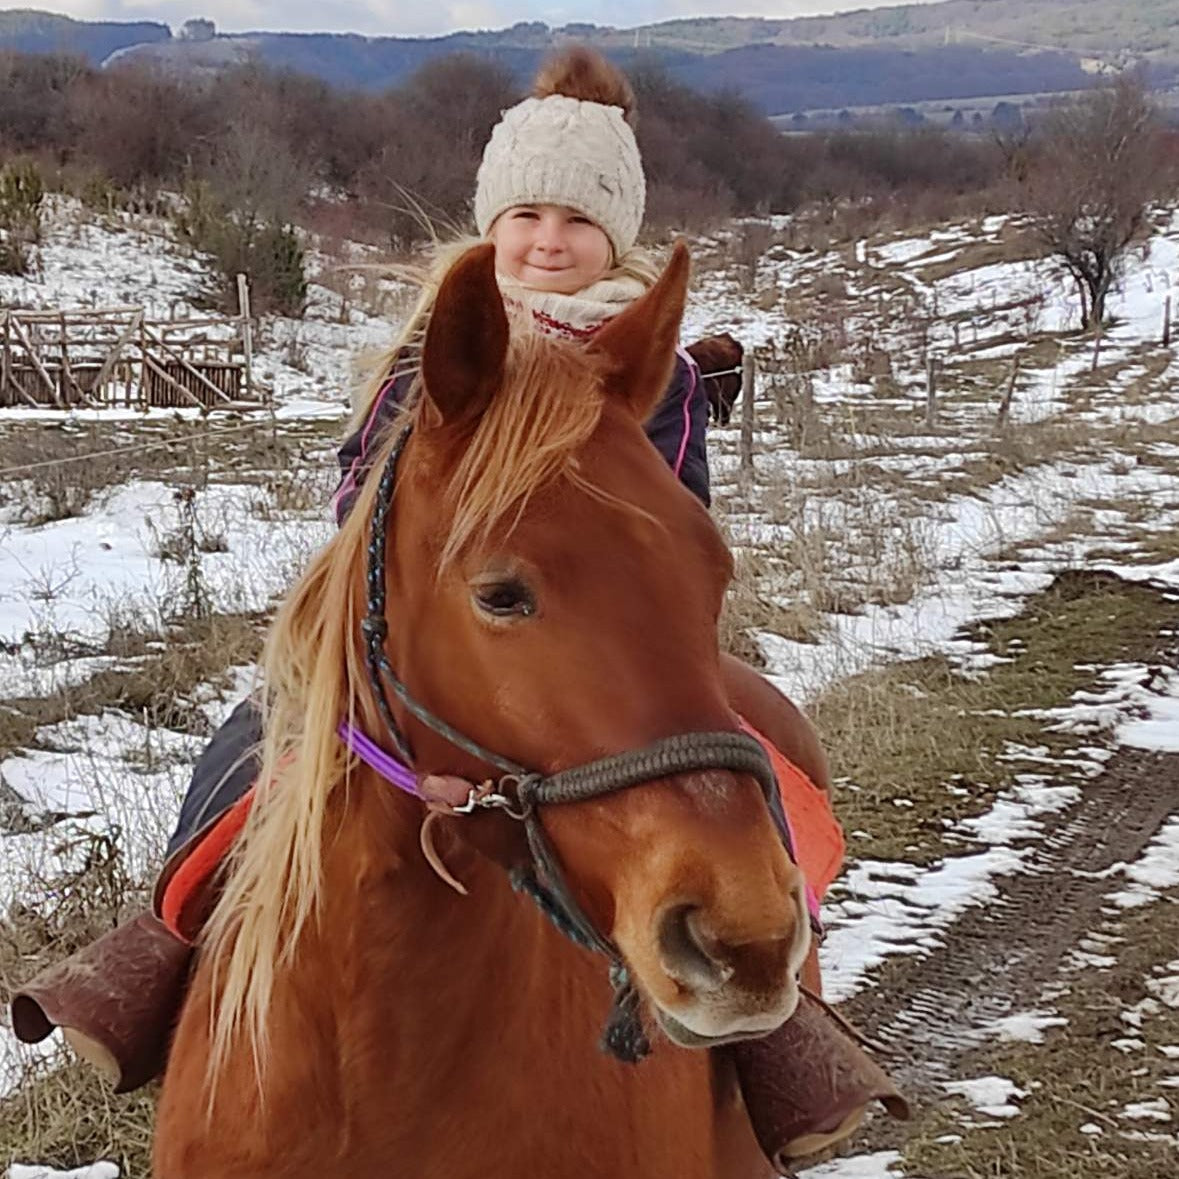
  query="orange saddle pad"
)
[{"x": 814, "y": 830}]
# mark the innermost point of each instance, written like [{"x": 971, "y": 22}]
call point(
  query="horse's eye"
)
[{"x": 507, "y": 598}]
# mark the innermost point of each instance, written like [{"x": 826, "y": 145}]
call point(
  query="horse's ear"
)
[
  {"x": 639, "y": 345},
  {"x": 466, "y": 338}
]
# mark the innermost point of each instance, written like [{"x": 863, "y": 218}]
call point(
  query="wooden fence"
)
[{"x": 116, "y": 356}]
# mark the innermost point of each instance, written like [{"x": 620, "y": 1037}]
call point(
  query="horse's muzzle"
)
[{"x": 726, "y": 980}]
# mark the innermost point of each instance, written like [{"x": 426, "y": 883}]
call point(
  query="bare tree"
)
[{"x": 1092, "y": 175}]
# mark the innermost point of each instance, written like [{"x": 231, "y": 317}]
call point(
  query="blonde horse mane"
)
[{"x": 313, "y": 670}]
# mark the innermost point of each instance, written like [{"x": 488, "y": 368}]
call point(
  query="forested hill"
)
[
  {"x": 880, "y": 57},
  {"x": 28, "y": 31}
]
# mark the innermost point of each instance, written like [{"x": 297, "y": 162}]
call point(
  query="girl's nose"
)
[{"x": 550, "y": 234}]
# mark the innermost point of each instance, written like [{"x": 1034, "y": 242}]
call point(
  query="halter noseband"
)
[{"x": 521, "y": 792}]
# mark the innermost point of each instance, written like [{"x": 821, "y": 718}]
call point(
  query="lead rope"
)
[{"x": 624, "y": 1036}]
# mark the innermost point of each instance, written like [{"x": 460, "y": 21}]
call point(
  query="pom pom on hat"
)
[{"x": 570, "y": 144}]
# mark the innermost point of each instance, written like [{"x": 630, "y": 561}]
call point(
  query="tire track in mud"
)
[{"x": 1000, "y": 957}]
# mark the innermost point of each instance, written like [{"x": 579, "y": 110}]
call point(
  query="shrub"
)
[
  {"x": 268, "y": 253},
  {"x": 22, "y": 192}
]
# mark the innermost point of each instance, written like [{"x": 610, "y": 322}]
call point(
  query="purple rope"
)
[{"x": 373, "y": 756}]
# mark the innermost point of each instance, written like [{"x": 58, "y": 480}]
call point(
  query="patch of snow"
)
[
  {"x": 1025, "y": 1027},
  {"x": 67, "y": 576},
  {"x": 93, "y": 1171},
  {"x": 880, "y": 1165},
  {"x": 989, "y": 1095},
  {"x": 869, "y": 920},
  {"x": 1013, "y": 816},
  {"x": 1127, "y": 1045},
  {"x": 1166, "y": 990},
  {"x": 1156, "y": 1110},
  {"x": 1157, "y": 868}
]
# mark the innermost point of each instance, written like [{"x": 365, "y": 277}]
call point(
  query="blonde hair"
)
[
  {"x": 404, "y": 354},
  {"x": 313, "y": 666}
]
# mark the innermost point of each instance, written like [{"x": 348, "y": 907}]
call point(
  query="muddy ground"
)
[{"x": 1049, "y": 940}]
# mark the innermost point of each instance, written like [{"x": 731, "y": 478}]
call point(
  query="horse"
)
[
  {"x": 526, "y": 585},
  {"x": 719, "y": 359}
]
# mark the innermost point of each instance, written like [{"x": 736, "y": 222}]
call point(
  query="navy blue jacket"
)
[{"x": 677, "y": 428}]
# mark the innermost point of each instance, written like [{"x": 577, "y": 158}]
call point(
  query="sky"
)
[{"x": 410, "y": 18}]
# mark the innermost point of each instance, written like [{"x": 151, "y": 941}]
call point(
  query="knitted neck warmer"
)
[{"x": 574, "y": 317}]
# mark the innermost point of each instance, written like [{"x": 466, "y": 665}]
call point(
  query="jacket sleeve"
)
[
  {"x": 356, "y": 454},
  {"x": 679, "y": 425}
]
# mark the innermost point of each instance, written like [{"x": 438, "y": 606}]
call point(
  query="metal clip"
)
[{"x": 485, "y": 796}]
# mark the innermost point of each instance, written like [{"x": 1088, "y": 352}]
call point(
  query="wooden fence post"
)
[
  {"x": 748, "y": 392},
  {"x": 1009, "y": 394},
  {"x": 243, "y": 304},
  {"x": 930, "y": 391},
  {"x": 5, "y": 361}
]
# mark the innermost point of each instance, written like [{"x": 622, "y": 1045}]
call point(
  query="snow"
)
[
  {"x": 961, "y": 544},
  {"x": 989, "y": 1095},
  {"x": 1156, "y": 869},
  {"x": 1025, "y": 1027},
  {"x": 869, "y": 919},
  {"x": 978, "y": 547},
  {"x": 1156, "y": 1110},
  {"x": 878, "y": 1165},
  {"x": 94, "y": 1171},
  {"x": 68, "y": 576}
]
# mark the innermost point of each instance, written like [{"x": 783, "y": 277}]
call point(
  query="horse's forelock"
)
[{"x": 548, "y": 408}]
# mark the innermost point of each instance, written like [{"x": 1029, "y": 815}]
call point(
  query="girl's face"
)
[{"x": 550, "y": 248}]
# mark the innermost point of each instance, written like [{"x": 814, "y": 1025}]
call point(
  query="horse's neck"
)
[
  {"x": 423, "y": 990},
  {"x": 404, "y": 998},
  {"x": 406, "y": 938},
  {"x": 376, "y": 873}
]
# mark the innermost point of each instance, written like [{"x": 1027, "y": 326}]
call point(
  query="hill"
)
[
  {"x": 955, "y": 50},
  {"x": 29, "y": 31},
  {"x": 1109, "y": 30}
]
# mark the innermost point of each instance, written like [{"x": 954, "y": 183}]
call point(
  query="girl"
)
[{"x": 560, "y": 192}]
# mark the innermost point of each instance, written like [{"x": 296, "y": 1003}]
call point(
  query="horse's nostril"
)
[{"x": 687, "y": 954}]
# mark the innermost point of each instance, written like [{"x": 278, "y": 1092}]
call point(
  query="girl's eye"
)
[
  {"x": 579, "y": 220},
  {"x": 525, "y": 215},
  {"x": 509, "y": 598}
]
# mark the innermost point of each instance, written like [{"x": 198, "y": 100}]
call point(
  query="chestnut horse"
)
[{"x": 552, "y": 593}]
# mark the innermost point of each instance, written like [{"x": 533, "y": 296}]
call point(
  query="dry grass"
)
[
  {"x": 1014, "y": 244},
  {"x": 941, "y": 742},
  {"x": 40, "y": 487},
  {"x": 157, "y": 687},
  {"x": 59, "y": 1111},
  {"x": 64, "y": 1113},
  {"x": 842, "y": 541},
  {"x": 749, "y": 608}
]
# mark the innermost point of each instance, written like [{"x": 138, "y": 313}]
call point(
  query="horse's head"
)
[
  {"x": 719, "y": 359},
  {"x": 553, "y": 594}
]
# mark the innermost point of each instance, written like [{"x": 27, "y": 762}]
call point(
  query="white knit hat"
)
[{"x": 564, "y": 151}]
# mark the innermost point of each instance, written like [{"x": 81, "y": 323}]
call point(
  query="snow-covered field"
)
[{"x": 888, "y": 530}]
